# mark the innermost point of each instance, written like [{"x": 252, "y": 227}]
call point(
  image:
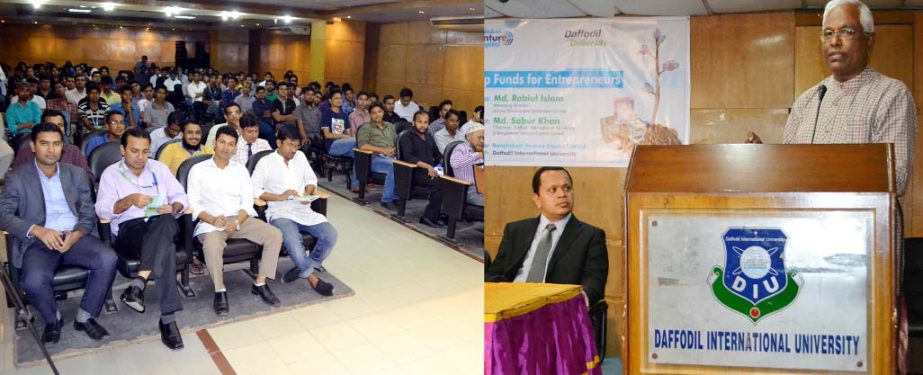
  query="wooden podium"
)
[{"x": 761, "y": 259}]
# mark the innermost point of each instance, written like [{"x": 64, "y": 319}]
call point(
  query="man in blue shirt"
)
[
  {"x": 115, "y": 123},
  {"x": 23, "y": 115},
  {"x": 129, "y": 110},
  {"x": 54, "y": 226}
]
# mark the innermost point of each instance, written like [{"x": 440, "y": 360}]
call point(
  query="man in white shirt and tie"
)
[
  {"x": 554, "y": 247},
  {"x": 221, "y": 197},
  {"x": 279, "y": 179}
]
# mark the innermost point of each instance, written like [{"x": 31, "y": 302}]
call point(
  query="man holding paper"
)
[
  {"x": 140, "y": 196},
  {"x": 284, "y": 180}
]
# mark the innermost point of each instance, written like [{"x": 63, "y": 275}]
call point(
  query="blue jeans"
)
[
  {"x": 326, "y": 237},
  {"x": 382, "y": 164},
  {"x": 39, "y": 264},
  {"x": 343, "y": 147}
]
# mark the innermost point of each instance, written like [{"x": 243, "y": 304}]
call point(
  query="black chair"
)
[
  {"x": 330, "y": 163},
  {"x": 103, "y": 156},
  {"x": 455, "y": 193},
  {"x": 85, "y": 140},
  {"x": 319, "y": 205},
  {"x": 597, "y": 313},
  {"x": 237, "y": 250},
  {"x": 164, "y": 147},
  {"x": 66, "y": 279},
  {"x": 913, "y": 284},
  {"x": 403, "y": 177},
  {"x": 151, "y": 129},
  {"x": 402, "y": 125}
]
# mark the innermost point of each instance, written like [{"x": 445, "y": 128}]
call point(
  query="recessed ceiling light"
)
[
  {"x": 172, "y": 11},
  {"x": 35, "y": 22},
  {"x": 337, "y": 19},
  {"x": 78, "y": 10},
  {"x": 257, "y": 24},
  {"x": 185, "y": 17},
  {"x": 107, "y": 6},
  {"x": 287, "y": 18},
  {"x": 241, "y": 25},
  {"x": 420, "y": 11},
  {"x": 471, "y": 9},
  {"x": 349, "y": 17},
  {"x": 121, "y": 27}
]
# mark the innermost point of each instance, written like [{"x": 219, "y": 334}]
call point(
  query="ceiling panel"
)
[
  {"x": 313, "y": 4},
  {"x": 662, "y": 7},
  {"x": 536, "y": 8},
  {"x": 739, "y": 6},
  {"x": 413, "y": 14},
  {"x": 597, "y": 8}
]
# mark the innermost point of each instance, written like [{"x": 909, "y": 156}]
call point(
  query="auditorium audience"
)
[
  {"x": 140, "y": 198},
  {"x": 58, "y": 102},
  {"x": 450, "y": 132},
  {"x": 157, "y": 111},
  {"x": 107, "y": 93},
  {"x": 279, "y": 179},
  {"x": 70, "y": 154},
  {"x": 47, "y": 209},
  {"x": 40, "y": 101},
  {"x": 360, "y": 114},
  {"x": 283, "y": 108},
  {"x": 190, "y": 145},
  {"x": 92, "y": 110},
  {"x": 23, "y": 115},
  {"x": 308, "y": 116},
  {"x": 130, "y": 111},
  {"x": 232, "y": 115},
  {"x": 439, "y": 123},
  {"x": 390, "y": 116},
  {"x": 245, "y": 99},
  {"x": 262, "y": 108},
  {"x": 115, "y": 126},
  {"x": 476, "y": 118},
  {"x": 338, "y": 136},
  {"x": 406, "y": 107},
  {"x": 221, "y": 197}
]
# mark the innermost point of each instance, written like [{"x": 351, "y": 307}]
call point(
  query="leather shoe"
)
[
  {"x": 323, "y": 287},
  {"x": 134, "y": 298},
  {"x": 292, "y": 275},
  {"x": 390, "y": 205},
  {"x": 169, "y": 334},
  {"x": 266, "y": 294},
  {"x": 92, "y": 328},
  {"x": 431, "y": 223},
  {"x": 53, "y": 331},
  {"x": 221, "y": 303}
]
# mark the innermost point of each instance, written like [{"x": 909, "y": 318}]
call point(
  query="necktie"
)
[
  {"x": 249, "y": 150},
  {"x": 537, "y": 271}
]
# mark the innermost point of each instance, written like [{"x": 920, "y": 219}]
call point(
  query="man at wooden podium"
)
[
  {"x": 554, "y": 247},
  {"x": 855, "y": 104}
]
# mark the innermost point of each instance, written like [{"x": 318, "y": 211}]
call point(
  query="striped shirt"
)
[
  {"x": 97, "y": 117},
  {"x": 869, "y": 108},
  {"x": 463, "y": 159}
]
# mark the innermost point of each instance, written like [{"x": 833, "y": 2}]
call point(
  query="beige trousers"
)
[{"x": 253, "y": 229}]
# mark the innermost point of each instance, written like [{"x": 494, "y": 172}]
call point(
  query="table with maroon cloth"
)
[{"x": 537, "y": 329}]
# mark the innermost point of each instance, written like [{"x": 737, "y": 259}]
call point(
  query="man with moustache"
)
[{"x": 191, "y": 145}]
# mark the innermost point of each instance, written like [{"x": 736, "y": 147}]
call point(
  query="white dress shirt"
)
[
  {"x": 443, "y": 138},
  {"x": 171, "y": 84},
  {"x": 539, "y": 233},
  {"x": 272, "y": 175},
  {"x": 194, "y": 89},
  {"x": 406, "y": 112},
  {"x": 38, "y": 100},
  {"x": 220, "y": 192},
  {"x": 74, "y": 96}
]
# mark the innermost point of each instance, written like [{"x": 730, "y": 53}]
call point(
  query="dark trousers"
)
[
  {"x": 152, "y": 241},
  {"x": 434, "y": 207},
  {"x": 39, "y": 264}
]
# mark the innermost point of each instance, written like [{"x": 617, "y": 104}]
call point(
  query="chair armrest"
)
[
  {"x": 260, "y": 206},
  {"x": 105, "y": 231},
  {"x": 259, "y": 202},
  {"x": 322, "y": 195},
  {"x": 187, "y": 211},
  {"x": 406, "y": 164},
  {"x": 362, "y": 151},
  {"x": 455, "y": 180}
]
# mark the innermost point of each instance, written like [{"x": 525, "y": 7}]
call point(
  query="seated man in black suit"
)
[
  {"x": 554, "y": 247},
  {"x": 46, "y": 207}
]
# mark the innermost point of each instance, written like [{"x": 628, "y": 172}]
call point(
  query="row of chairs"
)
[{"x": 68, "y": 279}]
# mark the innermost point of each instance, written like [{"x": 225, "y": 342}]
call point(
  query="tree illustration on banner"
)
[{"x": 658, "y": 134}]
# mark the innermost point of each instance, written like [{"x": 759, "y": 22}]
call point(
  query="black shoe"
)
[
  {"x": 221, "y": 303},
  {"x": 266, "y": 294},
  {"x": 323, "y": 287},
  {"x": 53, "y": 331},
  {"x": 134, "y": 298},
  {"x": 170, "y": 335},
  {"x": 292, "y": 275},
  {"x": 92, "y": 328},
  {"x": 431, "y": 223},
  {"x": 390, "y": 205}
]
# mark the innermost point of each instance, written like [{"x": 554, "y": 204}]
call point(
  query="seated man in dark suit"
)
[
  {"x": 46, "y": 207},
  {"x": 554, "y": 247}
]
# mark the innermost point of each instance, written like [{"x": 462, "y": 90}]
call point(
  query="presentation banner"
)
[
  {"x": 784, "y": 290},
  {"x": 584, "y": 92}
]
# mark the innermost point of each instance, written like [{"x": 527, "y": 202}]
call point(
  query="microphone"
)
[{"x": 821, "y": 90}]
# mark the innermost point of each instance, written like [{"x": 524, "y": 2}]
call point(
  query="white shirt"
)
[
  {"x": 159, "y": 137},
  {"x": 35, "y": 99},
  {"x": 543, "y": 222},
  {"x": 272, "y": 175},
  {"x": 220, "y": 192},
  {"x": 195, "y": 89},
  {"x": 74, "y": 96},
  {"x": 406, "y": 111},
  {"x": 443, "y": 138},
  {"x": 171, "y": 84},
  {"x": 213, "y": 132},
  {"x": 143, "y": 103}
]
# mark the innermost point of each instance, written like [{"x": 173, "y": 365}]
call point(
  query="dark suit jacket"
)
[
  {"x": 22, "y": 204},
  {"x": 580, "y": 256}
]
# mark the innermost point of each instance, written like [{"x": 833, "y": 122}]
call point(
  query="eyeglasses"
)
[{"x": 846, "y": 33}]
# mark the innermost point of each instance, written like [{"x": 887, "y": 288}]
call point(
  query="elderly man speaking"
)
[{"x": 855, "y": 104}]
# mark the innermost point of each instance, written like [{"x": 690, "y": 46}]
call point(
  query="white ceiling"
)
[{"x": 608, "y": 8}]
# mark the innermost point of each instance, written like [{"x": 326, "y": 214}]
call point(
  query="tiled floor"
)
[{"x": 418, "y": 309}]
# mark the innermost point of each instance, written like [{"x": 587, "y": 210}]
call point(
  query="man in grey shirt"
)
[
  {"x": 245, "y": 100},
  {"x": 155, "y": 115},
  {"x": 308, "y": 115}
]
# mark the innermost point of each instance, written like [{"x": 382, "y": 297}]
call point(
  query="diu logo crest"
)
[{"x": 754, "y": 281}]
